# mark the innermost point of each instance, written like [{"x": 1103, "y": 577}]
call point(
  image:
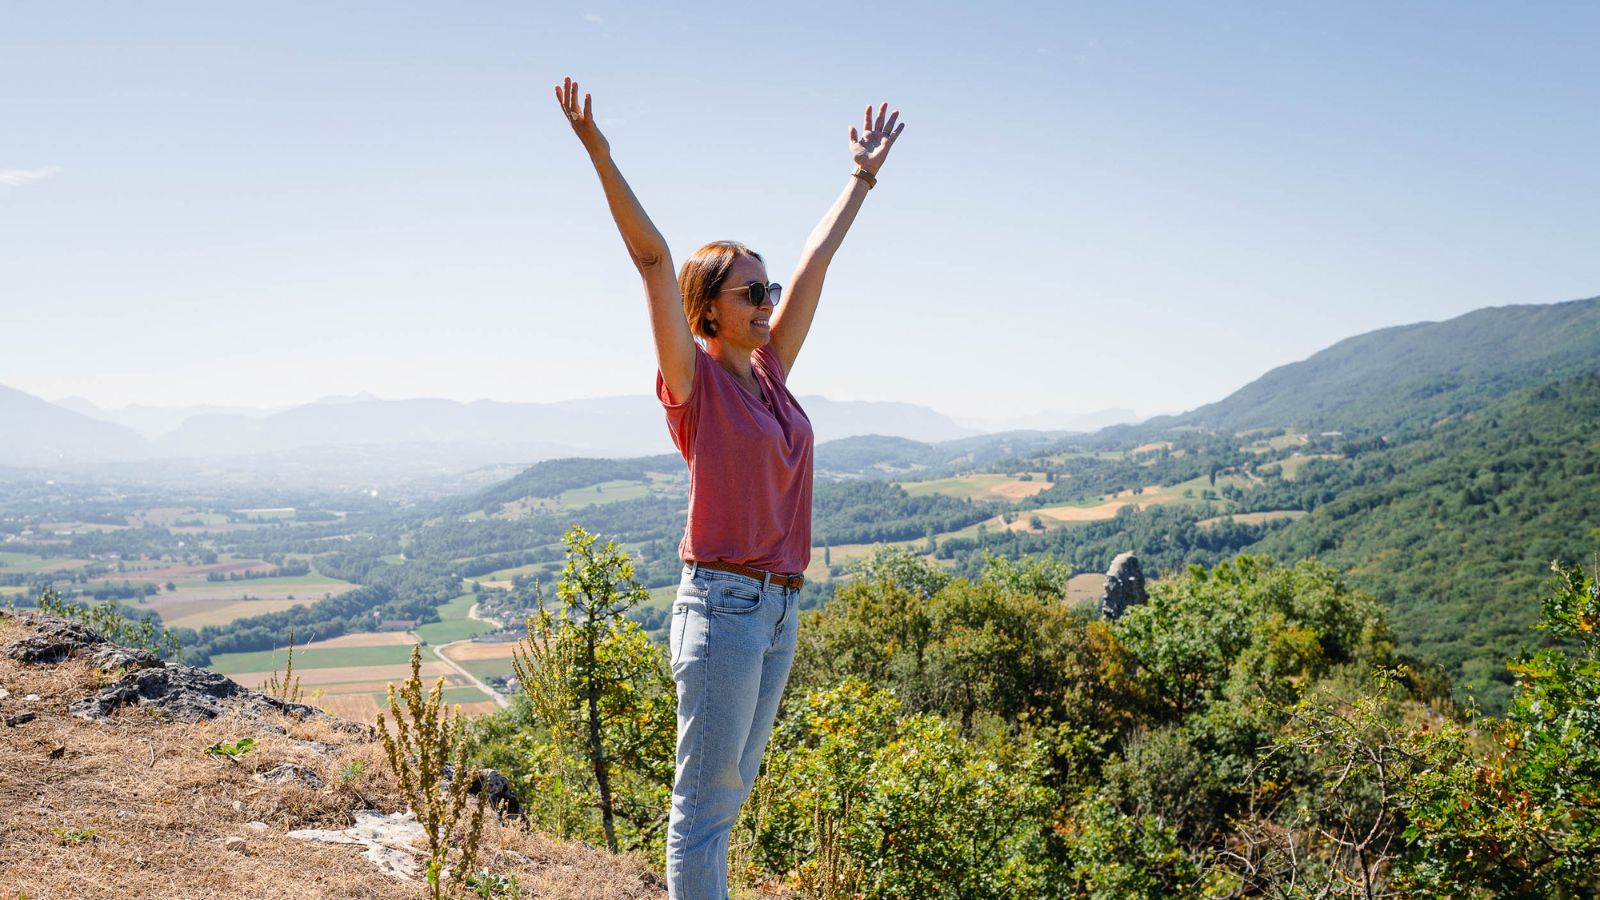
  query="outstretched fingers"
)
[
  {"x": 882, "y": 110},
  {"x": 567, "y": 96}
]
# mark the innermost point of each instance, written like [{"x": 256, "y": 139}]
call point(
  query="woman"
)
[{"x": 725, "y": 348}]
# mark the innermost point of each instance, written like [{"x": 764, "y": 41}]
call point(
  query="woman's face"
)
[{"x": 738, "y": 323}]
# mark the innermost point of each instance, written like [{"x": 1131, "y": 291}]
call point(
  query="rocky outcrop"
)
[
  {"x": 495, "y": 788},
  {"x": 1124, "y": 586},
  {"x": 184, "y": 693},
  {"x": 58, "y": 640}
]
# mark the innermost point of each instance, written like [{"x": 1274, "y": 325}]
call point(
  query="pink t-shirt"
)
[{"x": 749, "y": 466}]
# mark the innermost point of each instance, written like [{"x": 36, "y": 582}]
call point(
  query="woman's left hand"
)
[{"x": 871, "y": 147}]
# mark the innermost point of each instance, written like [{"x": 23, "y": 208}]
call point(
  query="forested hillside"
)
[
  {"x": 1454, "y": 530},
  {"x": 1413, "y": 373}
]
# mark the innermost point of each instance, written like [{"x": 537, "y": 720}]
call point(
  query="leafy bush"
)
[
  {"x": 859, "y": 798},
  {"x": 1524, "y": 819}
]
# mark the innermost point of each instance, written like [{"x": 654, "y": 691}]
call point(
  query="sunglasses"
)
[{"x": 759, "y": 293}]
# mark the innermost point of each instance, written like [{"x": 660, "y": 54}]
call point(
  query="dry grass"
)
[
  {"x": 136, "y": 807},
  {"x": 1016, "y": 490},
  {"x": 481, "y": 650},
  {"x": 364, "y": 639}
]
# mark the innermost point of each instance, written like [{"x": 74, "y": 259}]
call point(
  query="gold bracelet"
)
[{"x": 868, "y": 177}]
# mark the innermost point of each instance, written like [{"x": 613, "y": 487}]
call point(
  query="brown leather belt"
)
[{"x": 792, "y": 582}]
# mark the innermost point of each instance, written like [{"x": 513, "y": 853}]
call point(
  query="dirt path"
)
[{"x": 473, "y": 614}]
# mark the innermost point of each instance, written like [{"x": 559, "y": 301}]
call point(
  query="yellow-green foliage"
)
[
  {"x": 602, "y": 704},
  {"x": 859, "y": 798},
  {"x": 425, "y": 740},
  {"x": 286, "y": 689}
]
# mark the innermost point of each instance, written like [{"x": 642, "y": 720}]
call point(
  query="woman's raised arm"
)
[
  {"x": 868, "y": 149},
  {"x": 675, "y": 346}
]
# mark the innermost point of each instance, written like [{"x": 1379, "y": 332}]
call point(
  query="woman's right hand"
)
[{"x": 582, "y": 118}]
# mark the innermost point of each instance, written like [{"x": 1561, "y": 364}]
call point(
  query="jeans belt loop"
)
[
  {"x": 694, "y": 572},
  {"x": 766, "y": 582}
]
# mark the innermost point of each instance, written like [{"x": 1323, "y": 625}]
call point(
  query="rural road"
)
[{"x": 499, "y": 698}]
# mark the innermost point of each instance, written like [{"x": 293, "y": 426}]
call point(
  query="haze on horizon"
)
[{"x": 1116, "y": 205}]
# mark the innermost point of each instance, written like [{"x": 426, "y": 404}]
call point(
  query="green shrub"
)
[
  {"x": 858, "y": 798},
  {"x": 1524, "y": 820}
]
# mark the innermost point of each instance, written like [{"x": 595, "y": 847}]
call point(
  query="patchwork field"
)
[
  {"x": 349, "y": 675},
  {"x": 198, "y": 602},
  {"x": 980, "y": 487},
  {"x": 180, "y": 573},
  {"x": 484, "y": 660}
]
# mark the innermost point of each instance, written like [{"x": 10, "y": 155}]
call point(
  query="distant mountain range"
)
[
  {"x": 1393, "y": 377},
  {"x": 34, "y": 432}
]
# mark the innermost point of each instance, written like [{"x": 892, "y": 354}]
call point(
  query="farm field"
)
[
  {"x": 980, "y": 487},
  {"x": 1062, "y": 515},
  {"x": 1256, "y": 518},
  {"x": 453, "y": 624},
  {"x": 197, "y": 602},
  {"x": 199, "y": 571},
  {"x": 79, "y": 527},
  {"x": 605, "y": 492},
  {"x": 1276, "y": 443},
  {"x": 349, "y": 675},
  {"x": 1293, "y": 464},
  {"x": 1086, "y": 589},
  {"x": 484, "y": 660}
]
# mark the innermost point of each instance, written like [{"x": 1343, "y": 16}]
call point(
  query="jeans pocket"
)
[
  {"x": 680, "y": 616},
  {"x": 734, "y": 598}
]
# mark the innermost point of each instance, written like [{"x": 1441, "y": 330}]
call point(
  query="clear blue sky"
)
[{"x": 1093, "y": 205}]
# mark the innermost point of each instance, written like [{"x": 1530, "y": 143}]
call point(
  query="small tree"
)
[{"x": 603, "y": 693}]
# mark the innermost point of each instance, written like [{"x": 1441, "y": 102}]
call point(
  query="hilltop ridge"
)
[{"x": 1425, "y": 370}]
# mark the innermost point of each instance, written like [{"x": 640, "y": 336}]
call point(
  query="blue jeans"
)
[{"x": 732, "y": 643}]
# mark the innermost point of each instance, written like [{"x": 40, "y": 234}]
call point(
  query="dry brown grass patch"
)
[{"x": 136, "y": 807}]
